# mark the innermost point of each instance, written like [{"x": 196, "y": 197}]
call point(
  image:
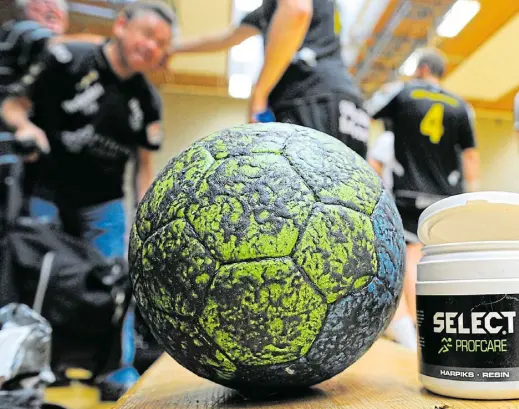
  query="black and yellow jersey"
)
[{"x": 431, "y": 127}]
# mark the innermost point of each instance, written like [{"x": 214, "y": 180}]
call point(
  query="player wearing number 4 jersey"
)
[{"x": 434, "y": 148}]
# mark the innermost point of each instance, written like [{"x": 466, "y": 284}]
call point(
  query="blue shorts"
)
[{"x": 103, "y": 225}]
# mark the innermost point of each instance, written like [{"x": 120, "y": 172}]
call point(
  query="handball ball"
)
[{"x": 267, "y": 256}]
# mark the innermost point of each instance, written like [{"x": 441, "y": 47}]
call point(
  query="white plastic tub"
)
[{"x": 468, "y": 296}]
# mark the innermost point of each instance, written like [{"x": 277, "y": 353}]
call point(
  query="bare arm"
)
[
  {"x": 87, "y": 37},
  {"x": 288, "y": 29},
  {"x": 15, "y": 113},
  {"x": 470, "y": 158},
  {"x": 144, "y": 173},
  {"x": 217, "y": 42}
]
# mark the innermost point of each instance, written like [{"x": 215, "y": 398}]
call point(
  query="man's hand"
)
[
  {"x": 258, "y": 103},
  {"x": 14, "y": 112},
  {"x": 29, "y": 131}
]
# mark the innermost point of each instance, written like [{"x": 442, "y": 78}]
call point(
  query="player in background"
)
[
  {"x": 304, "y": 80},
  {"x": 35, "y": 25},
  {"x": 434, "y": 147},
  {"x": 24, "y": 37},
  {"x": 92, "y": 110}
]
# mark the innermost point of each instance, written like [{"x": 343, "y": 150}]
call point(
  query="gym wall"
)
[
  {"x": 188, "y": 118},
  {"x": 499, "y": 150}
]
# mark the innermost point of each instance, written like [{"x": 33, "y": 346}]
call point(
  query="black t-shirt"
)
[
  {"x": 21, "y": 42},
  {"x": 317, "y": 68},
  {"x": 431, "y": 128},
  {"x": 94, "y": 120}
]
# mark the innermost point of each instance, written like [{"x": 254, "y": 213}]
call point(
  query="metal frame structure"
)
[{"x": 412, "y": 25}]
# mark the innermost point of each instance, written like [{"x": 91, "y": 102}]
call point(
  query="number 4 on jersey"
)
[{"x": 432, "y": 123}]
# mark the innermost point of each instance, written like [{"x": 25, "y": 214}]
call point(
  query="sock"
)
[{"x": 404, "y": 332}]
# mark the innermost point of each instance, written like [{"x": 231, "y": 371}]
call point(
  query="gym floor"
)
[{"x": 77, "y": 396}]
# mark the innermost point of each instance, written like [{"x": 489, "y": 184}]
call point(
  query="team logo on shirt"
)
[
  {"x": 136, "y": 115},
  {"x": 87, "y": 80},
  {"x": 87, "y": 140},
  {"x": 86, "y": 101},
  {"x": 75, "y": 141},
  {"x": 34, "y": 70},
  {"x": 353, "y": 121},
  {"x": 61, "y": 53}
]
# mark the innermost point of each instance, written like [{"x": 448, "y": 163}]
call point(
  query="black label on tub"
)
[{"x": 469, "y": 337}]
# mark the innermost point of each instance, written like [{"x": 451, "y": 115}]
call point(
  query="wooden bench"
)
[{"x": 386, "y": 377}]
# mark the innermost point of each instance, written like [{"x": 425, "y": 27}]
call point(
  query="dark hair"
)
[
  {"x": 434, "y": 60},
  {"x": 163, "y": 10}
]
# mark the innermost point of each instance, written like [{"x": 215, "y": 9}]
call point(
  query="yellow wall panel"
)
[
  {"x": 199, "y": 17},
  {"x": 490, "y": 71}
]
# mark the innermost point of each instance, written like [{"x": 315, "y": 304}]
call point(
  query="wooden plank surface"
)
[{"x": 386, "y": 378}]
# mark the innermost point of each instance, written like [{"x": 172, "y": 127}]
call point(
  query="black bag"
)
[
  {"x": 82, "y": 295},
  {"x": 67, "y": 279}
]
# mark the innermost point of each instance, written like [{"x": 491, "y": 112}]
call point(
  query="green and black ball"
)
[{"x": 267, "y": 256}]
